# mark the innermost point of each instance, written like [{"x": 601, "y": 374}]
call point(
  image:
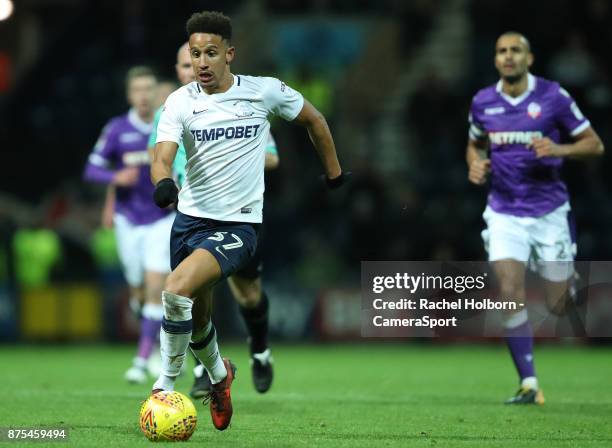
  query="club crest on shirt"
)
[
  {"x": 244, "y": 109},
  {"x": 534, "y": 110}
]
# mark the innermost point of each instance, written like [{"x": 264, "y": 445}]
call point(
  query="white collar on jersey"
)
[
  {"x": 138, "y": 123},
  {"x": 531, "y": 85},
  {"x": 235, "y": 83}
]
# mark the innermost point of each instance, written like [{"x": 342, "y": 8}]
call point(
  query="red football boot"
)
[{"x": 221, "y": 399}]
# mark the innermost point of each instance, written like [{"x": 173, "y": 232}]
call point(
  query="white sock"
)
[
  {"x": 153, "y": 311},
  {"x": 198, "y": 371},
  {"x": 164, "y": 383},
  {"x": 530, "y": 382},
  {"x": 264, "y": 357},
  {"x": 135, "y": 305},
  {"x": 510, "y": 321},
  {"x": 173, "y": 338},
  {"x": 140, "y": 363},
  {"x": 204, "y": 346}
]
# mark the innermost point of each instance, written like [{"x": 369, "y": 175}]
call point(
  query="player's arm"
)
[
  {"x": 166, "y": 191},
  {"x": 272, "y": 161},
  {"x": 125, "y": 177},
  {"x": 478, "y": 164},
  {"x": 163, "y": 158},
  {"x": 98, "y": 168},
  {"x": 586, "y": 144},
  {"x": 476, "y": 158},
  {"x": 109, "y": 208},
  {"x": 169, "y": 134},
  {"x": 153, "y": 135},
  {"x": 321, "y": 138}
]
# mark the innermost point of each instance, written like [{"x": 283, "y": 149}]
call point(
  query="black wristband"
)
[
  {"x": 338, "y": 181},
  {"x": 165, "y": 193}
]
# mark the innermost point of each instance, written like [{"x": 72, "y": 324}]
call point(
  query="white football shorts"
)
[
  {"x": 543, "y": 243},
  {"x": 143, "y": 247}
]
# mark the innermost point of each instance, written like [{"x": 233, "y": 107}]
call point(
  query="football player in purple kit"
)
[
  {"x": 120, "y": 159},
  {"x": 528, "y": 125}
]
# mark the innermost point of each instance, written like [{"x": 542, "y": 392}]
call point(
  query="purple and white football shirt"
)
[
  {"x": 123, "y": 143},
  {"x": 521, "y": 184}
]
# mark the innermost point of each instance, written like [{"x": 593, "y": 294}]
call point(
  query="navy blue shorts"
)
[
  {"x": 253, "y": 269},
  {"x": 231, "y": 243}
]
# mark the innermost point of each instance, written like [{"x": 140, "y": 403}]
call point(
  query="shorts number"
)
[
  {"x": 220, "y": 236},
  {"x": 562, "y": 247}
]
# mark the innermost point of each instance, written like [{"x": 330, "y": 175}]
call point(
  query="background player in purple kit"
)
[
  {"x": 524, "y": 122},
  {"x": 120, "y": 159}
]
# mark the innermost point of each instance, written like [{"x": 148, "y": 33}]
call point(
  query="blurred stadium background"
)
[{"x": 395, "y": 79}]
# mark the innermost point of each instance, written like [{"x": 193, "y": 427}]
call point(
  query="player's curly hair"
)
[{"x": 211, "y": 22}]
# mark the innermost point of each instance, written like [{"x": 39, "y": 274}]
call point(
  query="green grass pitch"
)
[{"x": 378, "y": 394}]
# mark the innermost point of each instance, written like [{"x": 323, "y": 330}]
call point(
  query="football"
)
[{"x": 168, "y": 416}]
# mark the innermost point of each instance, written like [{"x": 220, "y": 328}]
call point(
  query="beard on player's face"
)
[
  {"x": 514, "y": 78},
  {"x": 513, "y": 71}
]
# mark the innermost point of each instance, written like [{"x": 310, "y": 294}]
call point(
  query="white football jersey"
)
[{"x": 225, "y": 137}]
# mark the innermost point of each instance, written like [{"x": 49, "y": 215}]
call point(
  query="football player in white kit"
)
[
  {"x": 245, "y": 284},
  {"x": 221, "y": 118}
]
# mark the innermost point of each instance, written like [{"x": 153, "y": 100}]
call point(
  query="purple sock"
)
[
  {"x": 149, "y": 334},
  {"x": 520, "y": 343}
]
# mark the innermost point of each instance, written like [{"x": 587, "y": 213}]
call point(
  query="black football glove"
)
[
  {"x": 165, "y": 193},
  {"x": 338, "y": 181}
]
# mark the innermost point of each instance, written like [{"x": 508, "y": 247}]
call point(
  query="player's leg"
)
[
  {"x": 150, "y": 324},
  {"x": 204, "y": 338},
  {"x": 203, "y": 251},
  {"x": 507, "y": 241},
  {"x": 137, "y": 373},
  {"x": 518, "y": 333},
  {"x": 557, "y": 295},
  {"x": 152, "y": 314},
  {"x": 246, "y": 288},
  {"x": 555, "y": 242},
  {"x": 156, "y": 262},
  {"x": 193, "y": 273},
  {"x": 201, "y": 381},
  {"x": 137, "y": 299},
  {"x": 220, "y": 371},
  {"x": 130, "y": 243},
  {"x": 202, "y": 308}
]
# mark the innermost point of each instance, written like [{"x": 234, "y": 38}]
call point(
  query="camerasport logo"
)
[{"x": 534, "y": 110}]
